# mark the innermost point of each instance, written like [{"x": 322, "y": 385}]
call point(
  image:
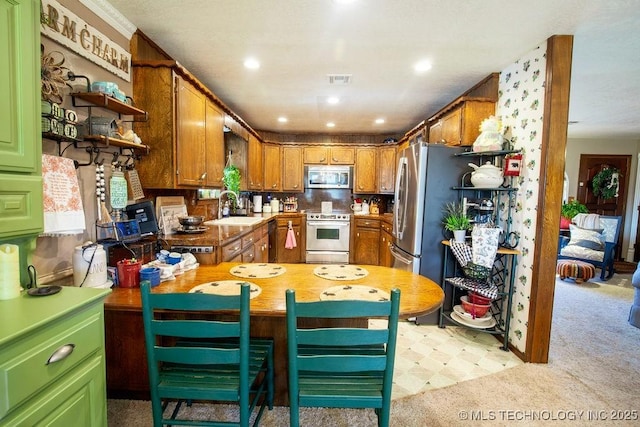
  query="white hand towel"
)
[{"x": 63, "y": 212}]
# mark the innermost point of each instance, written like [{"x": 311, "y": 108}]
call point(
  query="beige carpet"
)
[{"x": 593, "y": 372}]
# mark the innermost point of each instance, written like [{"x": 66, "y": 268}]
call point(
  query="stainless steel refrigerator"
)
[{"x": 426, "y": 175}]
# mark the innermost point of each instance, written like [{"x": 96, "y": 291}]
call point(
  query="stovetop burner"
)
[{"x": 328, "y": 217}]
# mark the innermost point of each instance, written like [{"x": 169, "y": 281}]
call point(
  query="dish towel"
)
[
  {"x": 485, "y": 245},
  {"x": 63, "y": 212},
  {"x": 290, "y": 243}
]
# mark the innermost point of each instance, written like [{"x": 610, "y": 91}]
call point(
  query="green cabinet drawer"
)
[
  {"x": 24, "y": 367},
  {"x": 76, "y": 400},
  {"x": 21, "y": 207}
]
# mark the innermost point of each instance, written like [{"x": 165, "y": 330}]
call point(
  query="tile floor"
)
[{"x": 428, "y": 357}]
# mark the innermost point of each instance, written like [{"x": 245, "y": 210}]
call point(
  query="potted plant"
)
[
  {"x": 456, "y": 220},
  {"x": 568, "y": 211},
  {"x": 231, "y": 181}
]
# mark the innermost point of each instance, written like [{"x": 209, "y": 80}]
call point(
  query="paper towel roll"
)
[{"x": 9, "y": 271}]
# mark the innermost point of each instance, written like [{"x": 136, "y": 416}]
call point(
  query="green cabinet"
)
[
  {"x": 52, "y": 359},
  {"x": 20, "y": 137}
]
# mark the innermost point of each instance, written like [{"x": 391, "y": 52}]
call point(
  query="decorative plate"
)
[
  {"x": 459, "y": 310},
  {"x": 340, "y": 272},
  {"x": 354, "y": 292},
  {"x": 472, "y": 324},
  {"x": 258, "y": 271},
  {"x": 226, "y": 287}
]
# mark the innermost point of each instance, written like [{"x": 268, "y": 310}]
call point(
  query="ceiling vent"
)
[{"x": 340, "y": 79}]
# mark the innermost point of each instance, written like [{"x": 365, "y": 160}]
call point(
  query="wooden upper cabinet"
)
[
  {"x": 316, "y": 155},
  {"x": 365, "y": 171},
  {"x": 190, "y": 129},
  {"x": 458, "y": 123},
  {"x": 343, "y": 155},
  {"x": 255, "y": 165},
  {"x": 214, "y": 145},
  {"x": 386, "y": 167},
  {"x": 292, "y": 169},
  {"x": 272, "y": 168},
  {"x": 323, "y": 155},
  {"x": 184, "y": 128}
]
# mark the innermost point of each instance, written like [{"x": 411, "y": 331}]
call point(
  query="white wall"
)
[{"x": 576, "y": 147}]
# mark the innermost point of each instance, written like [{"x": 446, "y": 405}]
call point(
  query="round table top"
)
[{"x": 418, "y": 294}]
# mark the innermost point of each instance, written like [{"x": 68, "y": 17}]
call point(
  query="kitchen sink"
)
[{"x": 236, "y": 220}]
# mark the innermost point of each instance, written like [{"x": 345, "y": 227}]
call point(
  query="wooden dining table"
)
[{"x": 124, "y": 332}]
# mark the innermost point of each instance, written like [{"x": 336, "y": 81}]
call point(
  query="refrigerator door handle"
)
[
  {"x": 399, "y": 255},
  {"x": 400, "y": 208}
]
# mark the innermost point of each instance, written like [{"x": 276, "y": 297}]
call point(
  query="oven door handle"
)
[{"x": 328, "y": 224}]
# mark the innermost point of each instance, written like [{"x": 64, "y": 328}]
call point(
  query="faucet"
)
[{"x": 220, "y": 200}]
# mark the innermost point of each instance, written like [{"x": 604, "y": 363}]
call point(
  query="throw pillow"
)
[{"x": 590, "y": 239}]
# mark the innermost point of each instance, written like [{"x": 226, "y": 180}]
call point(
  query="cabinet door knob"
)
[
  {"x": 61, "y": 353},
  {"x": 203, "y": 176}
]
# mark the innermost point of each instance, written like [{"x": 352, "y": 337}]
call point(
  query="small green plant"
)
[
  {"x": 572, "y": 208},
  {"x": 455, "y": 218}
]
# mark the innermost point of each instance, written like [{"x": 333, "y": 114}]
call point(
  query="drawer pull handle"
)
[{"x": 61, "y": 353}]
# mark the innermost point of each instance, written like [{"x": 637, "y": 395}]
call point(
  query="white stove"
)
[
  {"x": 328, "y": 237},
  {"x": 316, "y": 216}
]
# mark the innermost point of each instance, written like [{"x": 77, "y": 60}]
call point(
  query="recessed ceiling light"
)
[
  {"x": 379, "y": 121},
  {"x": 283, "y": 119},
  {"x": 422, "y": 66},
  {"x": 331, "y": 125},
  {"x": 333, "y": 100},
  {"x": 251, "y": 63}
]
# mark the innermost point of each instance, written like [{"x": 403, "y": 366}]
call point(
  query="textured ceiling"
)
[{"x": 300, "y": 42}]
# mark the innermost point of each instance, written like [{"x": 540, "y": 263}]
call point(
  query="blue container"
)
[{"x": 152, "y": 274}]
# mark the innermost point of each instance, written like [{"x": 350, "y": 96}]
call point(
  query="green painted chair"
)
[
  {"x": 191, "y": 358},
  {"x": 341, "y": 367}
]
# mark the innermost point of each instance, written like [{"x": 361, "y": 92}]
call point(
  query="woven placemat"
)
[
  {"x": 354, "y": 292},
  {"x": 340, "y": 272},
  {"x": 258, "y": 271},
  {"x": 226, "y": 287}
]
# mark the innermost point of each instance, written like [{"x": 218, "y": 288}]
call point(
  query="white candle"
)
[{"x": 9, "y": 271}]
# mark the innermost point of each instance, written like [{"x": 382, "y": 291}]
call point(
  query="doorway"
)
[{"x": 590, "y": 166}]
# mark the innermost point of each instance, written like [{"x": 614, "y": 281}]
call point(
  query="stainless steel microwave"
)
[{"x": 328, "y": 177}]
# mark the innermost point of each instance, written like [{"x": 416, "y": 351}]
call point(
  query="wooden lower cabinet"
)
[
  {"x": 297, "y": 254},
  {"x": 261, "y": 245},
  {"x": 386, "y": 240},
  {"x": 365, "y": 241},
  {"x": 38, "y": 389}
]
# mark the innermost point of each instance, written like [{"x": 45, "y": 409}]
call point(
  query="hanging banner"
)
[{"x": 62, "y": 25}]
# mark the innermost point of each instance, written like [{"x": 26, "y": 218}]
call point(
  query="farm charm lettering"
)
[{"x": 61, "y": 25}]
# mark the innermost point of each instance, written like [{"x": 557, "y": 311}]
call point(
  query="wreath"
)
[{"x": 605, "y": 183}]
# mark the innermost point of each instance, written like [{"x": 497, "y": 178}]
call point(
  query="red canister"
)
[{"x": 129, "y": 273}]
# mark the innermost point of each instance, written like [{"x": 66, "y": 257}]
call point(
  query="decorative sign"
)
[{"x": 63, "y": 26}]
